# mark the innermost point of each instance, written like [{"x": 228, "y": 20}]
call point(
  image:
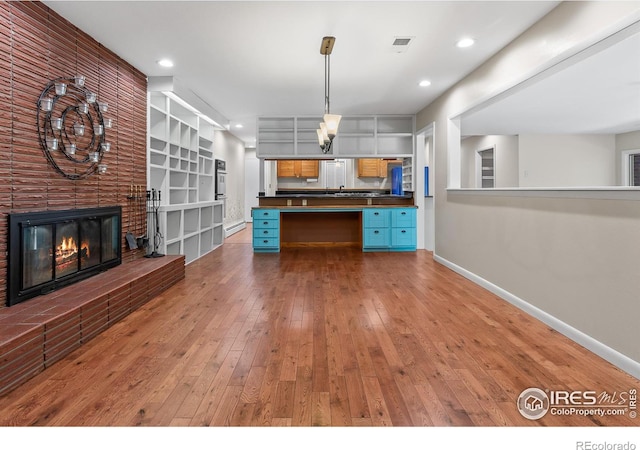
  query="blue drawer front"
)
[
  {"x": 403, "y": 237},
  {"x": 403, "y": 217},
  {"x": 266, "y": 214},
  {"x": 266, "y": 233},
  {"x": 265, "y": 223},
  {"x": 376, "y": 237},
  {"x": 259, "y": 242},
  {"x": 376, "y": 218}
]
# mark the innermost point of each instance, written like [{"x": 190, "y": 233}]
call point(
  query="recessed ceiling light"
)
[
  {"x": 239, "y": 125},
  {"x": 424, "y": 83},
  {"x": 465, "y": 42},
  {"x": 165, "y": 63}
]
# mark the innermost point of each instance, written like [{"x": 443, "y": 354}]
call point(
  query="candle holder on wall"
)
[{"x": 72, "y": 129}]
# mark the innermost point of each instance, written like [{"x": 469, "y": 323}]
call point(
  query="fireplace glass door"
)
[
  {"x": 90, "y": 243},
  {"x": 110, "y": 238},
  {"x": 67, "y": 249},
  {"x": 37, "y": 265}
]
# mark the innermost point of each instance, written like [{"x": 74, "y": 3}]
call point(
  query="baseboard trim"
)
[
  {"x": 616, "y": 358},
  {"x": 234, "y": 228}
]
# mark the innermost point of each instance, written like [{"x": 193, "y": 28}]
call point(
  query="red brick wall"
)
[{"x": 36, "y": 46}]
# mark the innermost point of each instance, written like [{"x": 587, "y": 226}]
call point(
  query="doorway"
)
[
  {"x": 485, "y": 168},
  {"x": 335, "y": 174},
  {"x": 425, "y": 187}
]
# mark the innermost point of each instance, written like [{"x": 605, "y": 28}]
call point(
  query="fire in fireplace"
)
[{"x": 50, "y": 249}]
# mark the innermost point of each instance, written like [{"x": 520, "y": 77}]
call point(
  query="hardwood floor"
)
[{"x": 315, "y": 337}]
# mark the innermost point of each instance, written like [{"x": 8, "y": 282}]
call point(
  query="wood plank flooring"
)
[{"x": 315, "y": 337}]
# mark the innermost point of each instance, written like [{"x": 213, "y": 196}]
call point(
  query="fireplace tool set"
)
[
  {"x": 143, "y": 220},
  {"x": 137, "y": 235},
  {"x": 153, "y": 204}
]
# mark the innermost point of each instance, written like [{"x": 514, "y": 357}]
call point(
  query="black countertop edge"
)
[
  {"x": 337, "y": 194},
  {"x": 331, "y": 191},
  {"x": 312, "y": 208}
]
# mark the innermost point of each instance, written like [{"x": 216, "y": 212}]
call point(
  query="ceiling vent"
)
[{"x": 401, "y": 43}]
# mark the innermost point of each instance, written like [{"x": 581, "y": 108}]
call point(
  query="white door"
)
[{"x": 335, "y": 174}]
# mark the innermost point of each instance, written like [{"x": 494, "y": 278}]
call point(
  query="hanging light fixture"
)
[{"x": 329, "y": 127}]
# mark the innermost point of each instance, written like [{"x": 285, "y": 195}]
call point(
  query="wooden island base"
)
[{"x": 335, "y": 228}]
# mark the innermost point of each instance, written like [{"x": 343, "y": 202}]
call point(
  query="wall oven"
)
[{"x": 221, "y": 183}]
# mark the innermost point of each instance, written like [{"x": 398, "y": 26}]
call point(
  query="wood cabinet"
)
[
  {"x": 369, "y": 167},
  {"x": 374, "y": 167},
  {"x": 298, "y": 168},
  {"x": 286, "y": 168}
]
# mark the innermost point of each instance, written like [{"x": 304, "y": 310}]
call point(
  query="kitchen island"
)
[{"x": 371, "y": 221}]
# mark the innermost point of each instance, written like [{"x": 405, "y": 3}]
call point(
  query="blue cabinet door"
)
[
  {"x": 403, "y": 238},
  {"x": 403, "y": 229},
  {"x": 376, "y": 229},
  {"x": 376, "y": 238},
  {"x": 266, "y": 233},
  {"x": 403, "y": 217},
  {"x": 376, "y": 218},
  {"x": 266, "y": 214},
  {"x": 266, "y": 223},
  {"x": 266, "y": 244}
]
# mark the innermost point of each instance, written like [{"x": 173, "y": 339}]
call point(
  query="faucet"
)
[{"x": 341, "y": 186}]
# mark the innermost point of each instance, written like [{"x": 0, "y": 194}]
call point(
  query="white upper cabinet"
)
[{"x": 358, "y": 137}]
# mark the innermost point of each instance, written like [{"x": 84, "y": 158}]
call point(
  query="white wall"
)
[
  {"x": 567, "y": 160},
  {"x": 628, "y": 141},
  {"x": 624, "y": 142},
  {"x": 574, "y": 260},
  {"x": 505, "y": 159}
]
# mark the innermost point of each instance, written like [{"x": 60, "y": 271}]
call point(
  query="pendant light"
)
[{"x": 329, "y": 127}]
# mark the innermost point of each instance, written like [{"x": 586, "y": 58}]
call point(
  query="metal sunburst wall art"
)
[{"x": 72, "y": 128}]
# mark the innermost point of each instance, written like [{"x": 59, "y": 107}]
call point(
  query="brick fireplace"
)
[{"x": 36, "y": 46}]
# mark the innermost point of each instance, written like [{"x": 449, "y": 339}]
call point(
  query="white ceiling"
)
[
  {"x": 596, "y": 91},
  {"x": 247, "y": 59}
]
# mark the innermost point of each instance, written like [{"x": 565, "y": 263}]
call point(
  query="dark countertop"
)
[
  {"x": 320, "y": 208},
  {"x": 337, "y": 194}
]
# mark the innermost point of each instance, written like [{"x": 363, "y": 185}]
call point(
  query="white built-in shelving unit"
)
[{"x": 181, "y": 169}]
